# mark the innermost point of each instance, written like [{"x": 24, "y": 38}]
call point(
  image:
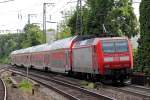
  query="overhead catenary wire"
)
[
  {"x": 52, "y": 10},
  {"x": 6, "y": 1},
  {"x": 25, "y": 11}
]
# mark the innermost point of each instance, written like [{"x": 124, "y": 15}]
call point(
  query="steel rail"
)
[
  {"x": 5, "y": 90},
  {"x": 128, "y": 90},
  {"x": 140, "y": 87},
  {"x": 2, "y": 69},
  {"x": 94, "y": 94}
]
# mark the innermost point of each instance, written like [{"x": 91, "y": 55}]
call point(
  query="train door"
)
[
  {"x": 67, "y": 65},
  {"x": 46, "y": 60}
]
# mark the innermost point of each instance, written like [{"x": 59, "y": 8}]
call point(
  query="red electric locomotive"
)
[{"x": 109, "y": 57}]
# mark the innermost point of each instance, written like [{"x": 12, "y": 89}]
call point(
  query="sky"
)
[{"x": 14, "y": 14}]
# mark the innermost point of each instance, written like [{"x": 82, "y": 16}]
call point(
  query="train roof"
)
[
  {"x": 13, "y": 52},
  {"x": 60, "y": 44},
  {"x": 38, "y": 48},
  {"x": 63, "y": 44},
  {"x": 92, "y": 41},
  {"x": 22, "y": 50},
  {"x": 110, "y": 38}
]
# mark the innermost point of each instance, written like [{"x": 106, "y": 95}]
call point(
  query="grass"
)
[
  {"x": 4, "y": 60},
  {"x": 7, "y": 80},
  {"x": 87, "y": 85},
  {"x": 84, "y": 83},
  {"x": 25, "y": 85}
]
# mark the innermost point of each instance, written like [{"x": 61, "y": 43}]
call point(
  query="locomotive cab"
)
[{"x": 117, "y": 58}]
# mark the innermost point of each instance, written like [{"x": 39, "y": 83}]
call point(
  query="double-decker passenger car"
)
[{"x": 110, "y": 57}]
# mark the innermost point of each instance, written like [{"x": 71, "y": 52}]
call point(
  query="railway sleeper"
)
[{"x": 14, "y": 83}]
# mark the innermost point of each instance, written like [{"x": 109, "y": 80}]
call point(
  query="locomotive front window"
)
[
  {"x": 108, "y": 47},
  {"x": 121, "y": 46},
  {"x": 115, "y": 46}
]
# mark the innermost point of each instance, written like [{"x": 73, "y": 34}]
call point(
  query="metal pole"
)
[
  {"x": 57, "y": 31},
  {"x": 81, "y": 22},
  {"x": 28, "y": 74},
  {"x": 44, "y": 19},
  {"x": 28, "y": 18},
  {"x": 77, "y": 19},
  {"x": 79, "y": 27},
  {"x": 44, "y": 22}
]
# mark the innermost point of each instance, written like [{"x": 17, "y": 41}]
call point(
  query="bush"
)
[{"x": 25, "y": 85}]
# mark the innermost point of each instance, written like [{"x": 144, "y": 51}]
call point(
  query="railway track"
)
[
  {"x": 65, "y": 88},
  {"x": 66, "y": 79},
  {"x": 2, "y": 68},
  {"x": 142, "y": 88},
  {"x": 2, "y": 90},
  {"x": 140, "y": 92}
]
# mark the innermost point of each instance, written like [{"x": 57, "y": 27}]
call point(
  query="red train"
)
[{"x": 109, "y": 57}]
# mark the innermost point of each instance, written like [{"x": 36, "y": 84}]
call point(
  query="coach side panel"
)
[
  {"x": 84, "y": 60},
  {"x": 58, "y": 60},
  {"x": 37, "y": 60}
]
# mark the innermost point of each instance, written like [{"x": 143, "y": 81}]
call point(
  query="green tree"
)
[
  {"x": 64, "y": 30},
  {"x": 122, "y": 19},
  {"x": 117, "y": 15},
  {"x": 99, "y": 10},
  {"x": 10, "y": 42},
  {"x": 33, "y": 36},
  {"x": 144, "y": 41},
  {"x": 71, "y": 23}
]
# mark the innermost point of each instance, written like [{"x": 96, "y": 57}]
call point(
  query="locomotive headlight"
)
[
  {"x": 124, "y": 58},
  {"x": 108, "y": 59}
]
